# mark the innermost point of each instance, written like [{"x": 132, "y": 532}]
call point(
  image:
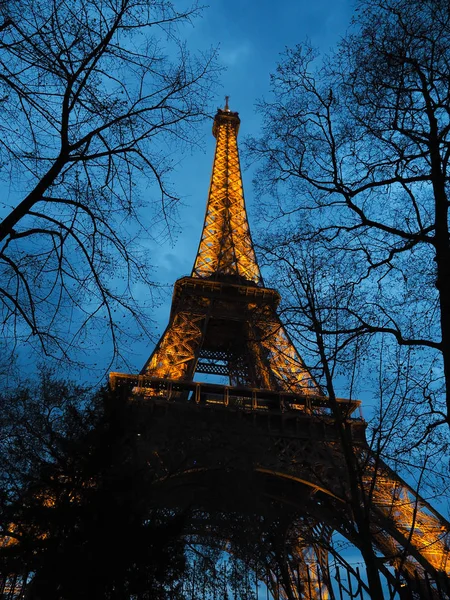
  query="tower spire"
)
[{"x": 226, "y": 247}]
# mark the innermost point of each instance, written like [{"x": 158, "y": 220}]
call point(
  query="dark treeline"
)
[{"x": 76, "y": 502}]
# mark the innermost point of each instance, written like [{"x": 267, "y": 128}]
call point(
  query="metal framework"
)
[
  {"x": 226, "y": 246},
  {"x": 223, "y": 319},
  {"x": 224, "y": 322}
]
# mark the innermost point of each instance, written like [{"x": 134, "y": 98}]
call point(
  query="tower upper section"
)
[{"x": 226, "y": 247}]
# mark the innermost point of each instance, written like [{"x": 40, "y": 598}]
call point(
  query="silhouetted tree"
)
[
  {"x": 356, "y": 148},
  {"x": 315, "y": 300},
  {"x": 76, "y": 502},
  {"x": 89, "y": 90}
]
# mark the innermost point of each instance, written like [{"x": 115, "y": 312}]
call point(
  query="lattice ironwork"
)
[
  {"x": 284, "y": 361},
  {"x": 225, "y": 313},
  {"x": 409, "y": 522},
  {"x": 229, "y": 329},
  {"x": 224, "y": 322},
  {"x": 177, "y": 347},
  {"x": 224, "y": 307},
  {"x": 226, "y": 246}
]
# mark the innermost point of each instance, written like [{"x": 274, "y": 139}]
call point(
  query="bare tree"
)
[
  {"x": 315, "y": 308},
  {"x": 359, "y": 142},
  {"x": 90, "y": 90}
]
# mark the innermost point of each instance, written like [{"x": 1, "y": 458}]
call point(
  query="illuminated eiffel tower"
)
[{"x": 271, "y": 417}]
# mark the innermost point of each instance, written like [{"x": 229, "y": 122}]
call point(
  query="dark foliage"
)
[{"x": 76, "y": 499}]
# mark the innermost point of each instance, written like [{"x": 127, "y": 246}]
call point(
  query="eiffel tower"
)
[{"x": 271, "y": 418}]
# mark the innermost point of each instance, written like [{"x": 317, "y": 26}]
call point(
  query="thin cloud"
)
[{"x": 236, "y": 54}]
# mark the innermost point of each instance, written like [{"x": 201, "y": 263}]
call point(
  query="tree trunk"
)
[{"x": 442, "y": 257}]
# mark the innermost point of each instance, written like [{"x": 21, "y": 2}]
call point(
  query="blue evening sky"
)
[{"x": 251, "y": 35}]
